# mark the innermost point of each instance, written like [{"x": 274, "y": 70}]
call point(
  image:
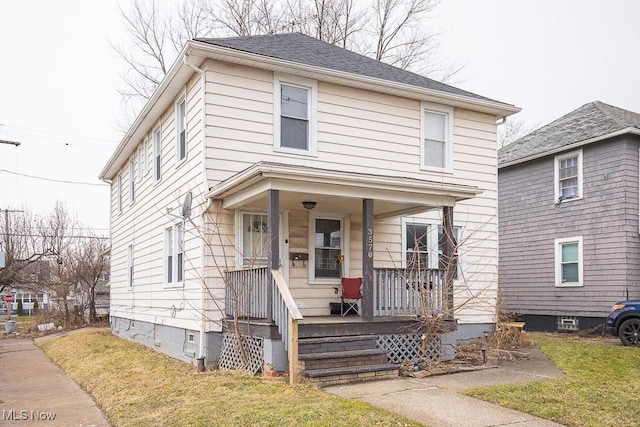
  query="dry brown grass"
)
[{"x": 136, "y": 386}]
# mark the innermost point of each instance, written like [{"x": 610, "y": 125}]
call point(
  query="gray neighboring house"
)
[{"x": 569, "y": 243}]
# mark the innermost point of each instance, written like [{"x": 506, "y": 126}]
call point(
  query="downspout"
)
[{"x": 203, "y": 311}]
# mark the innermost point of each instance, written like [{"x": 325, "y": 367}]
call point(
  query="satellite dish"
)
[{"x": 186, "y": 205}]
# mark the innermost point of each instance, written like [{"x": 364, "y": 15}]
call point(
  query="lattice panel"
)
[
  {"x": 402, "y": 348},
  {"x": 230, "y": 357}
]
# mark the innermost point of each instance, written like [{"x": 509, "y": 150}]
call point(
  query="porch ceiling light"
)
[{"x": 309, "y": 205}]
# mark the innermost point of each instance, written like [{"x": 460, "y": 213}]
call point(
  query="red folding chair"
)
[{"x": 350, "y": 291}]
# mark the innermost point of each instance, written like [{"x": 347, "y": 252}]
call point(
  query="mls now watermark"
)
[{"x": 24, "y": 415}]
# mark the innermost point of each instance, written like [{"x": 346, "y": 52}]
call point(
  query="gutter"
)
[{"x": 629, "y": 130}]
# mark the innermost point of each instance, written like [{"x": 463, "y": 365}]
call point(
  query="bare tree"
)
[
  {"x": 513, "y": 130},
  {"x": 88, "y": 265},
  {"x": 24, "y": 245},
  {"x": 392, "y": 31}
]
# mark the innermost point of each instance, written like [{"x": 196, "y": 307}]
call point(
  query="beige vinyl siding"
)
[
  {"x": 383, "y": 133},
  {"x": 143, "y": 226}
]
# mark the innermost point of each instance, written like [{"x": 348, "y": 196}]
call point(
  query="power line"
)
[
  {"x": 54, "y": 180},
  {"x": 51, "y": 237}
]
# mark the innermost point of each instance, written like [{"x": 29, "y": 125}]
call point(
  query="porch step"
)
[
  {"x": 343, "y": 359},
  {"x": 346, "y": 375}
]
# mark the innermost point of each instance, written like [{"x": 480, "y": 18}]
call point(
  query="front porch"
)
[{"x": 335, "y": 349}]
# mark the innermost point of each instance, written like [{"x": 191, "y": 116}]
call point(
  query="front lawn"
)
[
  {"x": 601, "y": 387},
  {"x": 136, "y": 386}
]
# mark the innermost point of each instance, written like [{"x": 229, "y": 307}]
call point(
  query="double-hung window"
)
[
  {"x": 568, "y": 176},
  {"x": 255, "y": 239},
  {"x": 181, "y": 130},
  {"x": 130, "y": 266},
  {"x": 142, "y": 160},
  {"x": 569, "y": 263},
  {"x": 174, "y": 254},
  {"x": 295, "y": 115},
  {"x": 132, "y": 180},
  {"x": 157, "y": 154},
  {"x": 416, "y": 246},
  {"x": 119, "y": 193},
  {"x": 423, "y": 246},
  {"x": 436, "y": 146}
]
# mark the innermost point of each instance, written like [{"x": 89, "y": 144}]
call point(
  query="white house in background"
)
[{"x": 253, "y": 128}]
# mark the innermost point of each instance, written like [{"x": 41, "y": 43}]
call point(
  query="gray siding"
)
[{"x": 606, "y": 218}]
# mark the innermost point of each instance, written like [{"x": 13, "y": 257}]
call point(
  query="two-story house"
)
[
  {"x": 266, "y": 168},
  {"x": 568, "y": 219}
]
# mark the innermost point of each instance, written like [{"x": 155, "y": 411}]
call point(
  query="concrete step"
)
[{"x": 346, "y": 375}]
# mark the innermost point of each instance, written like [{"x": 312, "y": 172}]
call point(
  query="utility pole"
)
[{"x": 4, "y": 141}]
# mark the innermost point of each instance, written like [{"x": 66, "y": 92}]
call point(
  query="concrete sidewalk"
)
[
  {"x": 34, "y": 391},
  {"x": 437, "y": 401}
]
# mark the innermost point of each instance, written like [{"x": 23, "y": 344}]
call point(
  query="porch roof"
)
[{"x": 336, "y": 191}]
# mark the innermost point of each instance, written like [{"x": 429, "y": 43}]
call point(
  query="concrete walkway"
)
[
  {"x": 34, "y": 391},
  {"x": 437, "y": 401}
]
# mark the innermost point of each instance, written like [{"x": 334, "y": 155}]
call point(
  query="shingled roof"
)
[
  {"x": 299, "y": 48},
  {"x": 592, "y": 120}
]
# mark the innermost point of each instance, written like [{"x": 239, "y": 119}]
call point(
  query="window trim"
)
[
  {"x": 556, "y": 176},
  {"x": 142, "y": 159},
  {"x": 176, "y": 231},
  {"x": 130, "y": 267},
  {"x": 132, "y": 180},
  {"x": 447, "y": 111},
  {"x": 344, "y": 246},
  {"x": 119, "y": 194},
  {"x": 312, "y": 113},
  {"x": 157, "y": 153},
  {"x": 182, "y": 100},
  {"x": 433, "y": 243},
  {"x": 558, "y": 262}
]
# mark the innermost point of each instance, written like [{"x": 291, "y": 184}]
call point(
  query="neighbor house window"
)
[
  {"x": 295, "y": 115},
  {"x": 569, "y": 264},
  {"x": 174, "y": 254},
  {"x": 130, "y": 266},
  {"x": 568, "y": 176},
  {"x": 157, "y": 155},
  {"x": 181, "y": 129},
  {"x": 255, "y": 239},
  {"x": 436, "y": 147},
  {"x": 328, "y": 245},
  {"x": 132, "y": 180}
]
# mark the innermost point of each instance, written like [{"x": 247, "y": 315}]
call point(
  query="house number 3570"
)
[{"x": 370, "y": 242}]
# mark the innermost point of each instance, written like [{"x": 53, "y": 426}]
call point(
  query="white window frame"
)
[
  {"x": 174, "y": 245},
  {"x": 119, "y": 193},
  {"x": 142, "y": 160},
  {"x": 181, "y": 126},
  {"x": 344, "y": 247},
  {"x": 433, "y": 244},
  {"x": 240, "y": 239},
  {"x": 132, "y": 180},
  {"x": 447, "y": 112},
  {"x": 157, "y": 153},
  {"x": 312, "y": 113},
  {"x": 556, "y": 176},
  {"x": 130, "y": 269},
  {"x": 558, "y": 262}
]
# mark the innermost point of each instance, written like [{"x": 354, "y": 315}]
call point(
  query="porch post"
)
[
  {"x": 273, "y": 208},
  {"x": 449, "y": 257},
  {"x": 367, "y": 259}
]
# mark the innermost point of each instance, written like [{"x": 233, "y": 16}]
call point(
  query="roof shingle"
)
[
  {"x": 297, "y": 47},
  {"x": 590, "y": 121}
]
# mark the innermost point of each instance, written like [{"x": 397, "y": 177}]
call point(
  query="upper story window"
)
[
  {"x": 181, "y": 130},
  {"x": 436, "y": 147},
  {"x": 132, "y": 180},
  {"x": 568, "y": 176},
  {"x": 119, "y": 192},
  {"x": 569, "y": 264},
  {"x": 157, "y": 154},
  {"x": 295, "y": 120},
  {"x": 142, "y": 160}
]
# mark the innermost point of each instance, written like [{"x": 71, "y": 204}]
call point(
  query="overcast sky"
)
[{"x": 58, "y": 78}]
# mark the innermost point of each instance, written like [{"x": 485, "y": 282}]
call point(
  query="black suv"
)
[{"x": 624, "y": 322}]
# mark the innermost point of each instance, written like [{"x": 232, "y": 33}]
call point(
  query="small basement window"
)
[{"x": 567, "y": 323}]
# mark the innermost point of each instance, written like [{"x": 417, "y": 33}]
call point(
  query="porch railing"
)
[
  {"x": 402, "y": 292},
  {"x": 261, "y": 293}
]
